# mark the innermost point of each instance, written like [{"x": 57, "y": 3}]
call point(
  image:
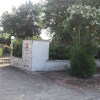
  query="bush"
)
[
  {"x": 90, "y": 48},
  {"x": 1, "y": 51},
  {"x": 34, "y": 38},
  {"x": 6, "y": 49},
  {"x": 58, "y": 52},
  {"x": 17, "y": 48},
  {"x": 82, "y": 64}
]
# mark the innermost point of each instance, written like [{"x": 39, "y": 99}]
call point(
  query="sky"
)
[{"x": 6, "y": 5}]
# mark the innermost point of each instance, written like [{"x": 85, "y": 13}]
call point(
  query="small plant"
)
[
  {"x": 17, "y": 48},
  {"x": 1, "y": 51},
  {"x": 82, "y": 64},
  {"x": 34, "y": 38},
  {"x": 6, "y": 49}
]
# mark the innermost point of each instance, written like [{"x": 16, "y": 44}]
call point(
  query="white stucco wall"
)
[
  {"x": 97, "y": 62},
  {"x": 56, "y": 65},
  {"x": 40, "y": 54}
]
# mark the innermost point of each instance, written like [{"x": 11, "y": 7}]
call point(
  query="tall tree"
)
[
  {"x": 56, "y": 12},
  {"x": 94, "y": 3},
  {"x": 82, "y": 22},
  {"x": 23, "y": 21}
]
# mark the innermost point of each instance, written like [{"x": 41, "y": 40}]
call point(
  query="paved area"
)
[{"x": 18, "y": 85}]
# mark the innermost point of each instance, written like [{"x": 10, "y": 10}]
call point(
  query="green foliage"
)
[
  {"x": 1, "y": 52},
  {"x": 5, "y": 49},
  {"x": 90, "y": 47},
  {"x": 56, "y": 13},
  {"x": 94, "y": 3},
  {"x": 97, "y": 56},
  {"x": 5, "y": 41},
  {"x": 33, "y": 38},
  {"x": 58, "y": 52},
  {"x": 82, "y": 64},
  {"x": 17, "y": 48},
  {"x": 23, "y": 21},
  {"x": 36, "y": 38},
  {"x": 82, "y": 22}
]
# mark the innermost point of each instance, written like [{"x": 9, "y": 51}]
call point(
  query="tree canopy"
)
[
  {"x": 23, "y": 21},
  {"x": 56, "y": 13},
  {"x": 82, "y": 22}
]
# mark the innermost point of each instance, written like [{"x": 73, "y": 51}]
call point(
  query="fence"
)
[{"x": 4, "y": 57}]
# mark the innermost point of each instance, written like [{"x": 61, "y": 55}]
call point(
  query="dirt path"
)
[{"x": 18, "y": 85}]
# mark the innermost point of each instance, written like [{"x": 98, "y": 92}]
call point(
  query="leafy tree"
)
[
  {"x": 17, "y": 48},
  {"x": 56, "y": 12},
  {"x": 23, "y": 21},
  {"x": 94, "y": 3},
  {"x": 82, "y": 22}
]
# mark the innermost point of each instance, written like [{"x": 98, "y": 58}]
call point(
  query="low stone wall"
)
[
  {"x": 25, "y": 62},
  {"x": 17, "y": 62}
]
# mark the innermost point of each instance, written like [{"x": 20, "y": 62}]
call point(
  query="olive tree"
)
[{"x": 83, "y": 24}]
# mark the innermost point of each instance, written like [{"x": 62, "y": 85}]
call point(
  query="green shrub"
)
[
  {"x": 34, "y": 38},
  {"x": 1, "y": 51},
  {"x": 17, "y": 48},
  {"x": 90, "y": 48},
  {"x": 82, "y": 64},
  {"x": 58, "y": 52},
  {"x": 6, "y": 49}
]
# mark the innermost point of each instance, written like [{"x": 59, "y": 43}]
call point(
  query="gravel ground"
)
[
  {"x": 64, "y": 78},
  {"x": 18, "y": 85}
]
